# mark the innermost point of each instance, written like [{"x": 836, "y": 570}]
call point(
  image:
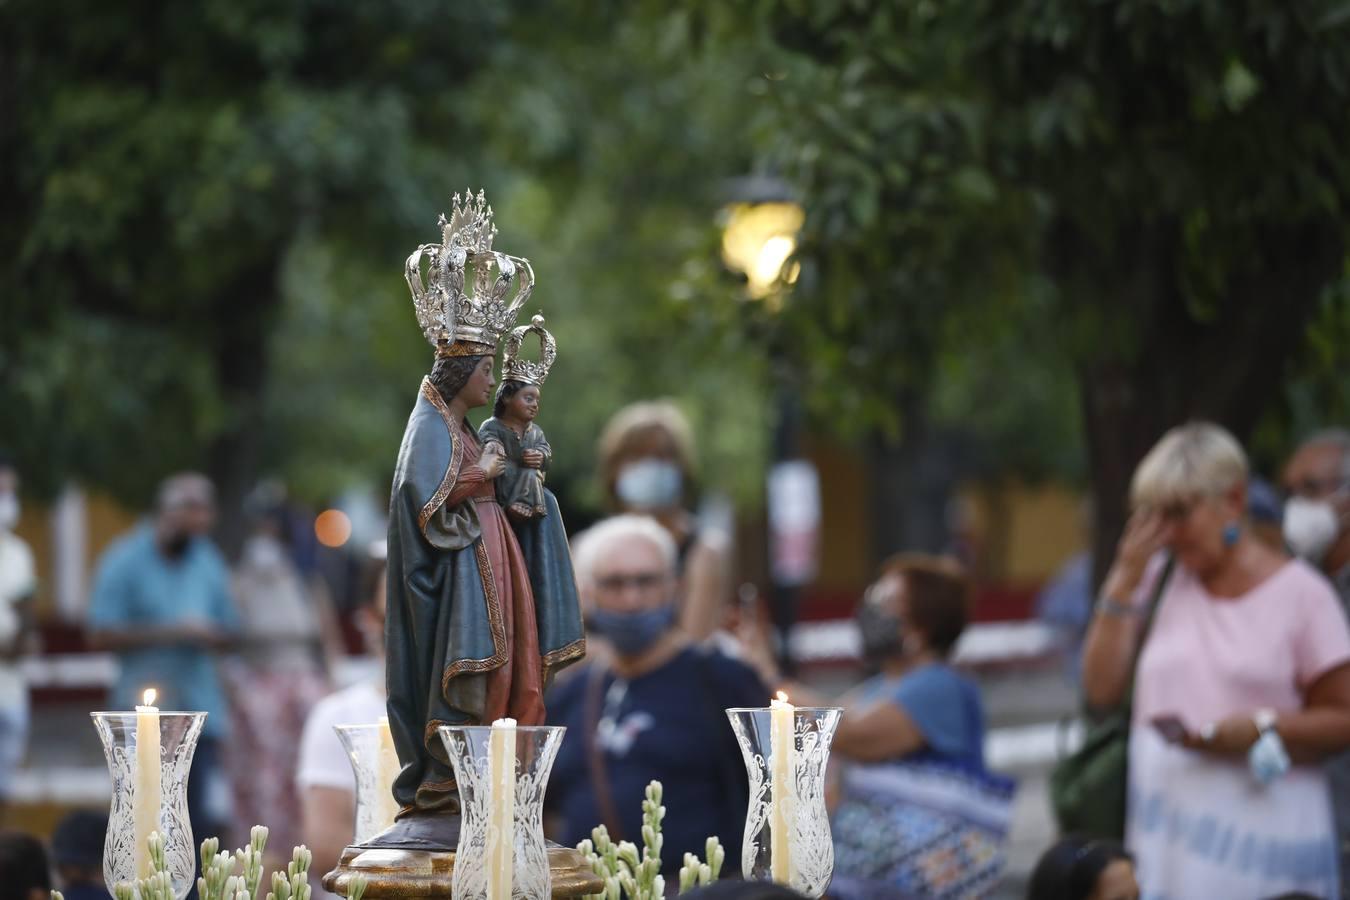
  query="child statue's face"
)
[{"x": 524, "y": 403}]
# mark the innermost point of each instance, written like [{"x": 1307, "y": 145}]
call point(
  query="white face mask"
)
[
  {"x": 9, "y": 512},
  {"x": 649, "y": 484},
  {"x": 264, "y": 553},
  {"x": 1310, "y": 527}
]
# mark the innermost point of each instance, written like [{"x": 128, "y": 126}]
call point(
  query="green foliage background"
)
[
  {"x": 1017, "y": 214},
  {"x": 213, "y": 205}
]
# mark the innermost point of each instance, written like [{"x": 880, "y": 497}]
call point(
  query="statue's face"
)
[
  {"x": 524, "y": 403},
  {"x": 478, "y": 390}
]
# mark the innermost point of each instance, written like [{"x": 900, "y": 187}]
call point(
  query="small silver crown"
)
[
  {"x": 514, "y": 369},
  {"x": 457, "y": 321}
]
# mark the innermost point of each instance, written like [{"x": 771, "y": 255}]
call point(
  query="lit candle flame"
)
[
  {"x": 149, "y": 696},
  {"x": 782, "y": 697}
]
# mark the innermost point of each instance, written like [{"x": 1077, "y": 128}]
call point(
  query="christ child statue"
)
[
  {"x": 526, "y": 454},
  {"x": 525, "y": 450}
]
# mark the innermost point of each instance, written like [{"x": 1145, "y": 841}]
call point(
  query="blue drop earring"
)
[{"x": 1230, "y": 533}]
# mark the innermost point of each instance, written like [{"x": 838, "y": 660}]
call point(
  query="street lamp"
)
[
  {"x": 758, "y": 239},
  {"x": 759, "y": 235}
]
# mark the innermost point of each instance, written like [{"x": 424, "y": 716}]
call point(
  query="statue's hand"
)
[
  {"x": 533, "y": 459},
  {"x": 491, "y": 463}
]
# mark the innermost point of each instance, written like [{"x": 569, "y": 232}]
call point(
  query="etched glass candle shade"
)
[
  {"x": 804, "y": 825},
  {"x": 375, "y": 765},
  {"x": 144, "y": 799},
  {"x": 535, "y": 748}
]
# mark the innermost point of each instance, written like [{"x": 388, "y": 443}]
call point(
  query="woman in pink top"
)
[{"x": 1246, "y": 666}]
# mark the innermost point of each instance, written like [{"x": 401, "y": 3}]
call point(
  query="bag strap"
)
[
  {"x": 595, "y": 757},
  {"x": 1154, "y": 600}
]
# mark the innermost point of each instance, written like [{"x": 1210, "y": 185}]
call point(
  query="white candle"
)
[
  {"x": 388, "y": 767},
  {"x": 784, "y": 753},
  {"x": 501, "y": 823},
  {"x": 146, "y": 792}
]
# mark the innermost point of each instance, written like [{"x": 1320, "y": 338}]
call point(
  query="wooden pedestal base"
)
[{"x": 402, "y": 874}]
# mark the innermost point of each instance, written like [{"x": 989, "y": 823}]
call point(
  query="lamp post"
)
[{"x": 759, "y": 237}]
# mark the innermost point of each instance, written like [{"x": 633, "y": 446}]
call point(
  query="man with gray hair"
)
[
  {"x": 1316, "y": 481},
  {"x": 161, "y": 603},
  {"x": 651, "y": 707}
]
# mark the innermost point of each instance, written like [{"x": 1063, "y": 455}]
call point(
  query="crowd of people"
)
[{"x": 1224, "y": 651}]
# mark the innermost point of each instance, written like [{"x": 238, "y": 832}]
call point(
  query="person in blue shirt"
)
[
  {"x": 916, "y": 704},
  {"x": 161, "y": 603},
  {"x": 918, "y": 814},
  {"x": 651, "y": 707}
]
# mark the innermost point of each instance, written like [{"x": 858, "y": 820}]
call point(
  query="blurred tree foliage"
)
[
  {"x": 597, "y": 175},
  {"x": 209, "y": 206},
  {"x": 169, "y": 164},
  {"x": 1145, "y": 199},
  {"x": 1033, "y": 227},
  {"x": 615, "y": 140}
]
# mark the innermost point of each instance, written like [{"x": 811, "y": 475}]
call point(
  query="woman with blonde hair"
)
[
  {"x": 647, "y": 467},
  {"x": 1242, "y": 684}
]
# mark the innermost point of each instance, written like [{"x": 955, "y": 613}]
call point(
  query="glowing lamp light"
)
[
  {"x": 759, "y": 239},
  {"x": 332, "y": 528}
]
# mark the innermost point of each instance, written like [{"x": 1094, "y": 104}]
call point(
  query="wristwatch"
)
[{"x": 1265, "y": 720}]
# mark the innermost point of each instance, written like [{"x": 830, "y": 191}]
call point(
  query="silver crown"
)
[
  {"x": 456, "y": 321},
  {"x": 514, "y": 369}
]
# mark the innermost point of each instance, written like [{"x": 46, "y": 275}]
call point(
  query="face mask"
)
[
  {"x": 1310, "y": 527},
  {"x": 649, "y": 484},
  {"x": 9, "y": 512},
  {"x": 880, "y": 633},
  {"x": 175, "y": 545},
  {"x": 632, "y": 633},
  {"x": 264, "y": 553}
]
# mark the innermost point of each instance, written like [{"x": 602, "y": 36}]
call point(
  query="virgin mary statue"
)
[{"x": 466, "y": 642}]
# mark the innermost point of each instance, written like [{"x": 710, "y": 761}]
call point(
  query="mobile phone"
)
[{"x": 1172, "y": 729}]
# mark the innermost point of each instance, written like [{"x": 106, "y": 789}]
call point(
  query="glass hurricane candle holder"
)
[
  {"x": 787, "y": 789},
  {"x": 149, "y": 757},
  {"x": 375, "y": 765},
  {"x": 530, "y": 752}
]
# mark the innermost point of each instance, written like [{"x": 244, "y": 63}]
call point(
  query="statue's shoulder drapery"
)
[{"x": 444, "y": 615}]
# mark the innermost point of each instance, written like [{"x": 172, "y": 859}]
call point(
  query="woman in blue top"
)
[
  {"x": 916, "y": 704},
  {"x": 918, "y": 814}
]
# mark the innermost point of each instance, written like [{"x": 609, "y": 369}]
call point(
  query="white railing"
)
[{"x": 981, "y": 644}]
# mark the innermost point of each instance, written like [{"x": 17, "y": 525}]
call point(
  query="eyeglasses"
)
[{"x": 642, "y": 581}]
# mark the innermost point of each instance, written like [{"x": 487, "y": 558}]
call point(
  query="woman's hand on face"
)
[
  {"x": 1144, "y": 536},
  {"x": 532, "y": 459}
]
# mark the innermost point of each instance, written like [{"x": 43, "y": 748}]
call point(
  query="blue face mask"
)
[
  {"x": 649, "y": 484},
  {"x": 632, "y": 633}
]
